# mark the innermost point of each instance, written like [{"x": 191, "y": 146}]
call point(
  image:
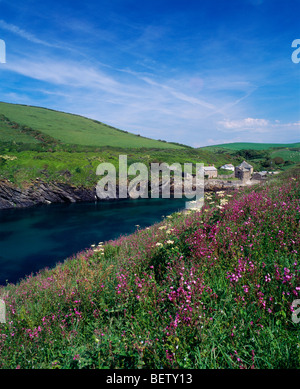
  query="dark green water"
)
[{"x": 38, "y": 237}]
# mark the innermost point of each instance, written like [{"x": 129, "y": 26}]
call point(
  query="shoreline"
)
[{"x": 41, "y": 193}]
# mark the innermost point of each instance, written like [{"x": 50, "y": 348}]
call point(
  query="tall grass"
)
[{"x": 79, "y": 167}]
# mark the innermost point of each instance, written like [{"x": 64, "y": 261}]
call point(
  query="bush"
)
[{"x": 278, "y": 160}]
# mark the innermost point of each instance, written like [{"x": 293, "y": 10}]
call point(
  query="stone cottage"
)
[
  {"x": 243, "y": 171},
  {"x": 210, "y": 172},
  {"x": 260, "y": 176}
]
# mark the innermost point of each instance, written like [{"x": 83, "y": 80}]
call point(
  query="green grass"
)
[
  {"x": 262, "y": 156},
  {"x": 11, "y": 133},
  {"x": 225, "y": 172},
  {"x": 62, "y": 147},
  {"x": 74, "y": 129},
  {"x": 253, "y": 146},
  {"x": 55, "y": 146},
  {"x": 292, "y": 155},
  {"x": 79, "y": 167}
]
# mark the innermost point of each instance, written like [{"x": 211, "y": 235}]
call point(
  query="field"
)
[
  {"x": 210, "y": 289},
  {"x": 73, "y": 129},
  {"x": 262, "y": 156},
  {"x": 253, "y": 146},
  {"x": 291, "y": 154},
  {"x": 9, "y": 133}
]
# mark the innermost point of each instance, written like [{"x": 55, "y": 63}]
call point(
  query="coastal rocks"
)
[
  {"x": 39, "y": 192},
  {"x": 215, "y": 185},
  {"x": 42, "y": 193}
]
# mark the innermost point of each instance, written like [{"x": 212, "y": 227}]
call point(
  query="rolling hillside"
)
[
  {"x": 66, "y": 128},
  {"x": 253, "y": 146},
  {"x": 53, "y": 146}
]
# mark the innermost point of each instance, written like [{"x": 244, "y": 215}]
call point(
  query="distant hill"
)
[
  {"x": 261, "y": 155},
  {"x": 253, "y": 146},
  {"x": 28, "y": 124}
]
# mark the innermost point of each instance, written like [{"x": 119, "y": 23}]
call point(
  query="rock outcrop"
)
[
  {"x": 215, "y": 185},
  {"x": 42, "y": 193},
  {"x": 39, "y": 192}
]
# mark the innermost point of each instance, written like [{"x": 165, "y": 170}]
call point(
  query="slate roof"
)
[
  {"x": 245, "y": 165},
  {"x": 210, "y": 168}
]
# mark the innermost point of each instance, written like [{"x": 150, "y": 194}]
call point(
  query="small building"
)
[
  {"x": 210, "y": 172},
  {"x": 228, "y": 166},
  {"x": 260, "y": 175},
  {"x": 243, "y": 171}
]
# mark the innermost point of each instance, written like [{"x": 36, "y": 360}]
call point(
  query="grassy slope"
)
[
  {"x": 9, "y": 132},
  {"x": 57, "y": 146},
  {"x": 253, "y": 146},
  {"x": 74, "y": 129},
  {"x": 81, "y": 166},
  {"x": 290, "y": 154},
  {"x": 209, "y": 289},
  {"x": 265, "y": 152}
]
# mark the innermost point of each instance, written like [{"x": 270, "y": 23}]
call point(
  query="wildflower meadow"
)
[{"x": 202, "y": 289}]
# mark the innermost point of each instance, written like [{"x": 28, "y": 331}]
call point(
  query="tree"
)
[
  {"x": 267, "y": 163},
  {"x": 278, "y": 160}
]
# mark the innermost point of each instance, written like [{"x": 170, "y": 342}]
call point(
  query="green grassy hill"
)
[
  {"x": 261, "y": 155},
  {"x": 290, "y": 154},
  {"x": 67, "y": 129},
  {"x": 56, "y": 146},
  {"x": 9, "y": 133},
  {"x": 253, "y": 146}
]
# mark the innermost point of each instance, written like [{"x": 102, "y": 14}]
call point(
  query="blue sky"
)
[{"x": 195, "y": 72}]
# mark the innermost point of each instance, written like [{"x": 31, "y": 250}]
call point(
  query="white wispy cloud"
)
[
  {"x": 255, "y": 126},
  {"x": 127, "y": 99},
  {"x": 187, "y": 108},
  {"x": 26, "y": 35},
  {"x": 258, "y": 125},
  {"x": 67, "y": 73},
  {"x": 179, "y": 94},
  {"x": 173, "y": 75}
]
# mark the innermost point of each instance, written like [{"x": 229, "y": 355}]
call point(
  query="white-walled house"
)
[{"x": 228, "y": 166}]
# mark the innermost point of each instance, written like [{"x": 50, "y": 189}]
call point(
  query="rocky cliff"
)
[
  {"x": 42, "y": 193},
  {"x": 39, "y": 192}
]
